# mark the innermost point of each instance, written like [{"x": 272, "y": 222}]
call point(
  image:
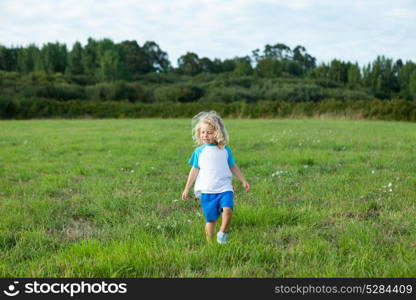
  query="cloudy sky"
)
[{"x": 351, "y": 30}]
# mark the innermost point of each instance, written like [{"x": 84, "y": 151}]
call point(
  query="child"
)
[{"x": 212, "y": 167}]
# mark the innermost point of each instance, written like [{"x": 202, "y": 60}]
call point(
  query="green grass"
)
[{"x": 100, "y": 198}]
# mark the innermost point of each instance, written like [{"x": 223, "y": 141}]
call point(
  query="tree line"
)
[
  {"x": 105, "y": 61},
  {"x": 107, "y": 79}
]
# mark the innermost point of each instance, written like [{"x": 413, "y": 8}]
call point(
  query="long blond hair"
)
[{"x": 215, "y": 121}]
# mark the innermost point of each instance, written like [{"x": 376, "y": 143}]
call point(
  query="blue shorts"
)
[{"x": 212, "y": 204}]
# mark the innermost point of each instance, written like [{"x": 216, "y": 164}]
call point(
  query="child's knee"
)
[{"x": 227, "y": 210}]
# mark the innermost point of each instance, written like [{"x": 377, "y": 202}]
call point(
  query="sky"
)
[{"x": 349, "y": 30}]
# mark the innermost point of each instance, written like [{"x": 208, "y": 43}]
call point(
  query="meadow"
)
[{"x": 101, "y": 198}]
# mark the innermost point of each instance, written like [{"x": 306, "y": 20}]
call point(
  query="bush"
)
[
  {"x": 52, "y": 91},
  {"x": 27, "y": 108},
  {"x": 116, "y": 91},
  {"x": 177, "y": 93},
  {"x": 344, "y": 94},
  {"x": 9, "y": 108},
  {"x": 328, "y": 83},
  {"x": 295, "y": 93},
  {"x": 227, "y": 95}
]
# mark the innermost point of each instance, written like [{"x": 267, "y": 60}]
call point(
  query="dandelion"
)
[
  {"x": 132, "y": 171},
  {"x": 390, "y": 190},
  {"x": 175, "y": 200},
  {"x": 372, "y": 172}
]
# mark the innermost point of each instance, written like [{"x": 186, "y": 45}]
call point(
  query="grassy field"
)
[{"x": 100, "y": 198}]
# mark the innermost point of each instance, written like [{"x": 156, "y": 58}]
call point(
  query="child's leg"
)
[
  {"x": 210, "y": 230},
  {"x": 227, "y": 213}
]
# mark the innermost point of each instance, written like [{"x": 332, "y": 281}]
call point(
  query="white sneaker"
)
[{"x": 222, "y": 237}]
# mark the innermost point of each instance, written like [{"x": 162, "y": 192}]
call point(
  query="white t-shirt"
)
[{"x": 214, "y": 169}]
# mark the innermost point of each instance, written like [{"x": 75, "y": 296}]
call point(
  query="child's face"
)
[{"x": 207, "y": 134}]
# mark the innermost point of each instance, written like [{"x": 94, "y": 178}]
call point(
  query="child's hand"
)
[
  {"x": 184, "y": 195},
  {"x": 246, "y": 186}
]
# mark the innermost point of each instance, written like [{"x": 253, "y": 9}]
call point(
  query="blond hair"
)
[{"x": 214, "y": 120}]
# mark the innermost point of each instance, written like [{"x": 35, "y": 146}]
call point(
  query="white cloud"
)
[
  {"x": 349, "y": 30},
  {"x": 401, "y": 13}
]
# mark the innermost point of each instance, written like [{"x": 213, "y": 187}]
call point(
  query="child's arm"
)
[
  {"x": 237, "y": 173},
  {"x": 191, "y": 179}
]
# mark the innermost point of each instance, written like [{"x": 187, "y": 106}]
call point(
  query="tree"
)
[
  {"x": 75, "y": 62},
  {"x": 279, "y": 59},
  {"x": 8, "y": 59},
  {"x": 109, "y": 65},
  {"x": 277, "y": 52},
  {"x": 4, "y": 60},
  {"x": 320, "y": 72},
  {"x": 189, "y": 64},
  {"x": 53, "y": 58},
  {"x": 243, "y": 66},
  {"x": 102, "y": 60},
  {"x": 268, "y": 67},
  {"x": 354, "y": 75},
  {"x": 256, "y": 55},
  {"x": 158, "y": 59},
  {"x": 403, "y": 79},
  {"x": 306, "y": 61},
  {"x": 90, "y": 59},
  {"x": 207, "y": 65},
  {"x": 291, "y": 67},
  {"x": 26, "y": 58},
  {"x": 412, "y": 84},
  {"x": 338, "y": 71},
  {"x": 217, "y": 66},
  {"x": 228, "y": 65},
  {"x": 381, "y": 77},
  {"x": 134, "y": 59}
]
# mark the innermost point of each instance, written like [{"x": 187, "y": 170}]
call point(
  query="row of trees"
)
[
  {"x": 106, "y": 61},
  {"x": 384, "y": 77},
  {"x": 168, "y": 87},
  {"x": 101, "y": 60}
]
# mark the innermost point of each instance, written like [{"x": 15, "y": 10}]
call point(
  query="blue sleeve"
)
[
  {"x": 230, "y": 160},
  {"x": 194, "y": 160}
]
